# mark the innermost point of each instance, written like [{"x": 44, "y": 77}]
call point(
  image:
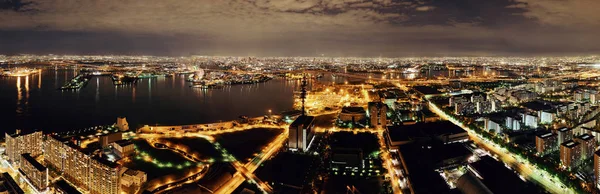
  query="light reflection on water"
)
[{"x": 167, "y": 100}]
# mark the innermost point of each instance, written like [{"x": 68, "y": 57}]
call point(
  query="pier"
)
[{"x": 76, "y": 83}]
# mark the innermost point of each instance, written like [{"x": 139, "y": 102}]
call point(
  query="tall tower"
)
[{"x": 303, "y": 93}]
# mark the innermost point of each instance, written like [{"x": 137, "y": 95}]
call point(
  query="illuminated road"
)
[
  {"x": 387, "y": 163},
  {"x": 191, "y": 178},
  {"x": 269, "y": 151},
  {"x": 208, "y": 133},
  {"x": 543, "y": 178},
  {"x": 244, "y": 171}
]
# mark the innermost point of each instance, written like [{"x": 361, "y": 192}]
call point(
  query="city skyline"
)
[
  {"x": 300, "y": 96},
  {"x": 301, "y": 28}
]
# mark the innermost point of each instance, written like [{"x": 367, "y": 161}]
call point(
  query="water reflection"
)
[
  {"x": 97, "y": 90},
  {"x": 26, "y": 90},
  {"x": 39, "y": 80},
  {"x": 166, "y": 101},
  {"x": 22, "y": 100},
  {"x": 19, "y": 96}
]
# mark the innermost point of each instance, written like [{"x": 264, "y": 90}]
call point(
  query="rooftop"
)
[
  {"x": 303, "y": 120},
  {"x": 422, "y": 160},
  {"x": 499, "y": 179},
  {"x": 586, "y": 137},
  {"x": 132, "y": 172},
  {"x": 104, "y": 161},
  {"x": 545, "y": 135},
  {"x": 570, "y": 144},
  {"x": 124, "y": 142},
  {"x": 423, "y": 130},
  {"x": 538, "y": 105},
  {"x": 66, "y": 187},
  {"x": 20, "y": 132},
  {"x": 33, "y": 162},
  {"x": 278, "y": 170},
  {"x": 564, "y": 129}
]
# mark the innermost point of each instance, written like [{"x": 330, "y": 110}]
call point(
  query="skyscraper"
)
[
  {"x": 20, "y": 143},
  {"x": 570, "y": 154},
  {"x": 588, "y": 145},
  {"x": 34, "y": 171},
  {"x": 301, "y": 133},
  {"x": 377, "y": 114},
  {"x": 86, "y": 170},
  {"x": 546, "y": 143}
]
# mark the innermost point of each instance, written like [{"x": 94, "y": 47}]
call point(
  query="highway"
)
[
  {"x": 531, "y": 172},
  {"x": 238, "y": 178}
]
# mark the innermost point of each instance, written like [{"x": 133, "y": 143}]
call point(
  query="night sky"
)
[{"x": 388, "y": 28}]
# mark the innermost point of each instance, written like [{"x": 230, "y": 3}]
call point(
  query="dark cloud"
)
[
  {"x": 14, "y": 5},
  {"x": 301, "y": 27}
]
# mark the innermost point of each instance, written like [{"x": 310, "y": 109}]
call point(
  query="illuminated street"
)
[
  {"x": 300, "y": 97},
  {"x": 531, "y": 172}
]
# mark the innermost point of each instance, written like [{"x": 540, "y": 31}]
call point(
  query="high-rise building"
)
[
  {"x": 493, "y": 124},
  {"x": 20, "y": 143},
  {"x": 570, "y": 154},
  {"x": 564, "y": 134},
  {"x": 301, "y": 133},
  {"x": 104, "y": 176},
  {"x": 588, "y": 145},
  {"x": 36, "y": 173},
  {"x": 122, "y": 124},
  {"x": 547, "y": 116},
  {"x": 546, "y": 143},
  {"x": 85, "y": 170},
  {"x": 109, "y": 138},
  {"x": 530, "y": 120},
  {"x": 378, "y": 114},
  {"x": 513, "y": 123}
]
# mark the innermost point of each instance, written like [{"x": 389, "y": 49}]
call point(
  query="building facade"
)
[
  {"x": 109, "y": 138},
  {"x": 35, "y": 172},
  {"x": 123, "y": 148},
  {"x": 20, "y": 143},
  {"x": 564, "y": 134},
  {"x": 122, "y": 124},
  {"x": 378, "y": 114},
  {"x": 301, "y": 133},
  {"x": 85, "y": 170},
  {"x": 588, "y": 145},
  {"x": 546, "y": 143},
  {"x": 570, "y": 154}
]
